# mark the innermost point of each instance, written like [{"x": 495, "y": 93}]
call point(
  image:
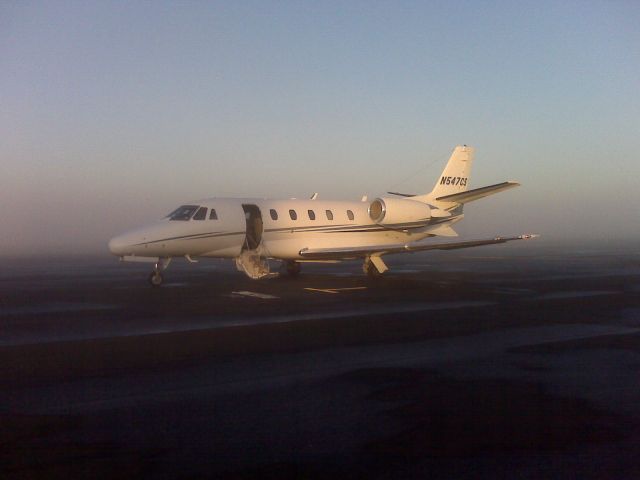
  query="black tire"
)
[
  {"x": 370, "y": 270},
  {"x": 290, "y": 268},
  {"x": 293, "y": 269},
  {"x": 156, "y": 279},
  {"x": 373, "y": 272}
]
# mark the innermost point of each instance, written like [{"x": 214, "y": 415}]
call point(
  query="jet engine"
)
[{"x": 398, "y": 211}]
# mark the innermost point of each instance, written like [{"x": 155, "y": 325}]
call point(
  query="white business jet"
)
[{"x": 253, "y": 231}]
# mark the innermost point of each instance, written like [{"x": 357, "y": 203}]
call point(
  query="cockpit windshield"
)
[{"x": 185, "y": 212}]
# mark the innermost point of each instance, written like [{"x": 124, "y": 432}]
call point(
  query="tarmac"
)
[{"x": 502, "y": 362}]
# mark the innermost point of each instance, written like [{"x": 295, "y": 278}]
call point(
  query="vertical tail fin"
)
[{"x": 455, "y": 176}]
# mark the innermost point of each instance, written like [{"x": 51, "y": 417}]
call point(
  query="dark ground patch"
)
[
  {"x": 629, "y": 342},
  {"x": 386, "y": 421},
  {"x": 449, "y": 418},
  {"x": 376, "y": 423}
]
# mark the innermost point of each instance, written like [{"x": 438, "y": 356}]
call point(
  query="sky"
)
[{"x": 114, "y": 113}]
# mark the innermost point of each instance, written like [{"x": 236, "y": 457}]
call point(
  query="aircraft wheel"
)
[
  {"x": 291, "y": 268},
  {"x": 370, "y": 270},
  {"x": 373, "y": 273},
  {"x": 155, "y": 279}
]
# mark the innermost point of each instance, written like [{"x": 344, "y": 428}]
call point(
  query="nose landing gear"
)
[{"x": 156, "y": 278}]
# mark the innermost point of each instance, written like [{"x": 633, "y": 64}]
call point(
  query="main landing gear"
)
[
  {"x": 156, "y": 278},
  {"x": 374, "y": 267},
  {"x": 290, "y": 268}
]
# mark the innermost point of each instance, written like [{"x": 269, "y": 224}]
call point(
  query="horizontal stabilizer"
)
[
  {"x": 477, "y": 193},
  {"x": 402, "y": 194}
]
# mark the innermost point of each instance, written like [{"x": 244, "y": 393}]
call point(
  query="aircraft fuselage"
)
[{"x": 295, "y": 225}]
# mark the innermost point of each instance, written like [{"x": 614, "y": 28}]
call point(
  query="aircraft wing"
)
[
  {"x": 477, "y": 193},
  {"x": 377, "y": 250}
]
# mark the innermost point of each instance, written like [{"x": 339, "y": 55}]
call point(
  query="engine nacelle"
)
[{"x": 398, "y": 211}]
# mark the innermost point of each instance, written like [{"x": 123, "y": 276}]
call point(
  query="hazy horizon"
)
[{"x": 113, "y": 114}]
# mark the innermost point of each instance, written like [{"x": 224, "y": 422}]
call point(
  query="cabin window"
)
[
  {"x": 329, "y": 215},
  {"x": 293, "y": 214},
  {"x": 350, "y": 214},
  {"x": 213, "y": 215},
  {"x": 312, "y": 214},
  {"x": 185, "y": 212},
  {"x": 274, "y": 214}
]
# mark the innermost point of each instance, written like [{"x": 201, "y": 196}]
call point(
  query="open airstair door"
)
[
  {"x": 253, "y": 218},
  {"x": 251, "y": 260}
]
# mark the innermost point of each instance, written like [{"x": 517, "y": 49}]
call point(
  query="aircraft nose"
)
[{"x": 118, "y": 245}]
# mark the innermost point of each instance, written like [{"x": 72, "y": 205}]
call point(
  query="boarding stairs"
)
[{"x": 253, "y": 263}]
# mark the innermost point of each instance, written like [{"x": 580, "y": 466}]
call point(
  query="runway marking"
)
[
  {"x": 246, "y": 293},
  {"x": 576, "y": 294},
  {"x": 511, "y": 291},
  {"x": 334, "y": 290}
]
